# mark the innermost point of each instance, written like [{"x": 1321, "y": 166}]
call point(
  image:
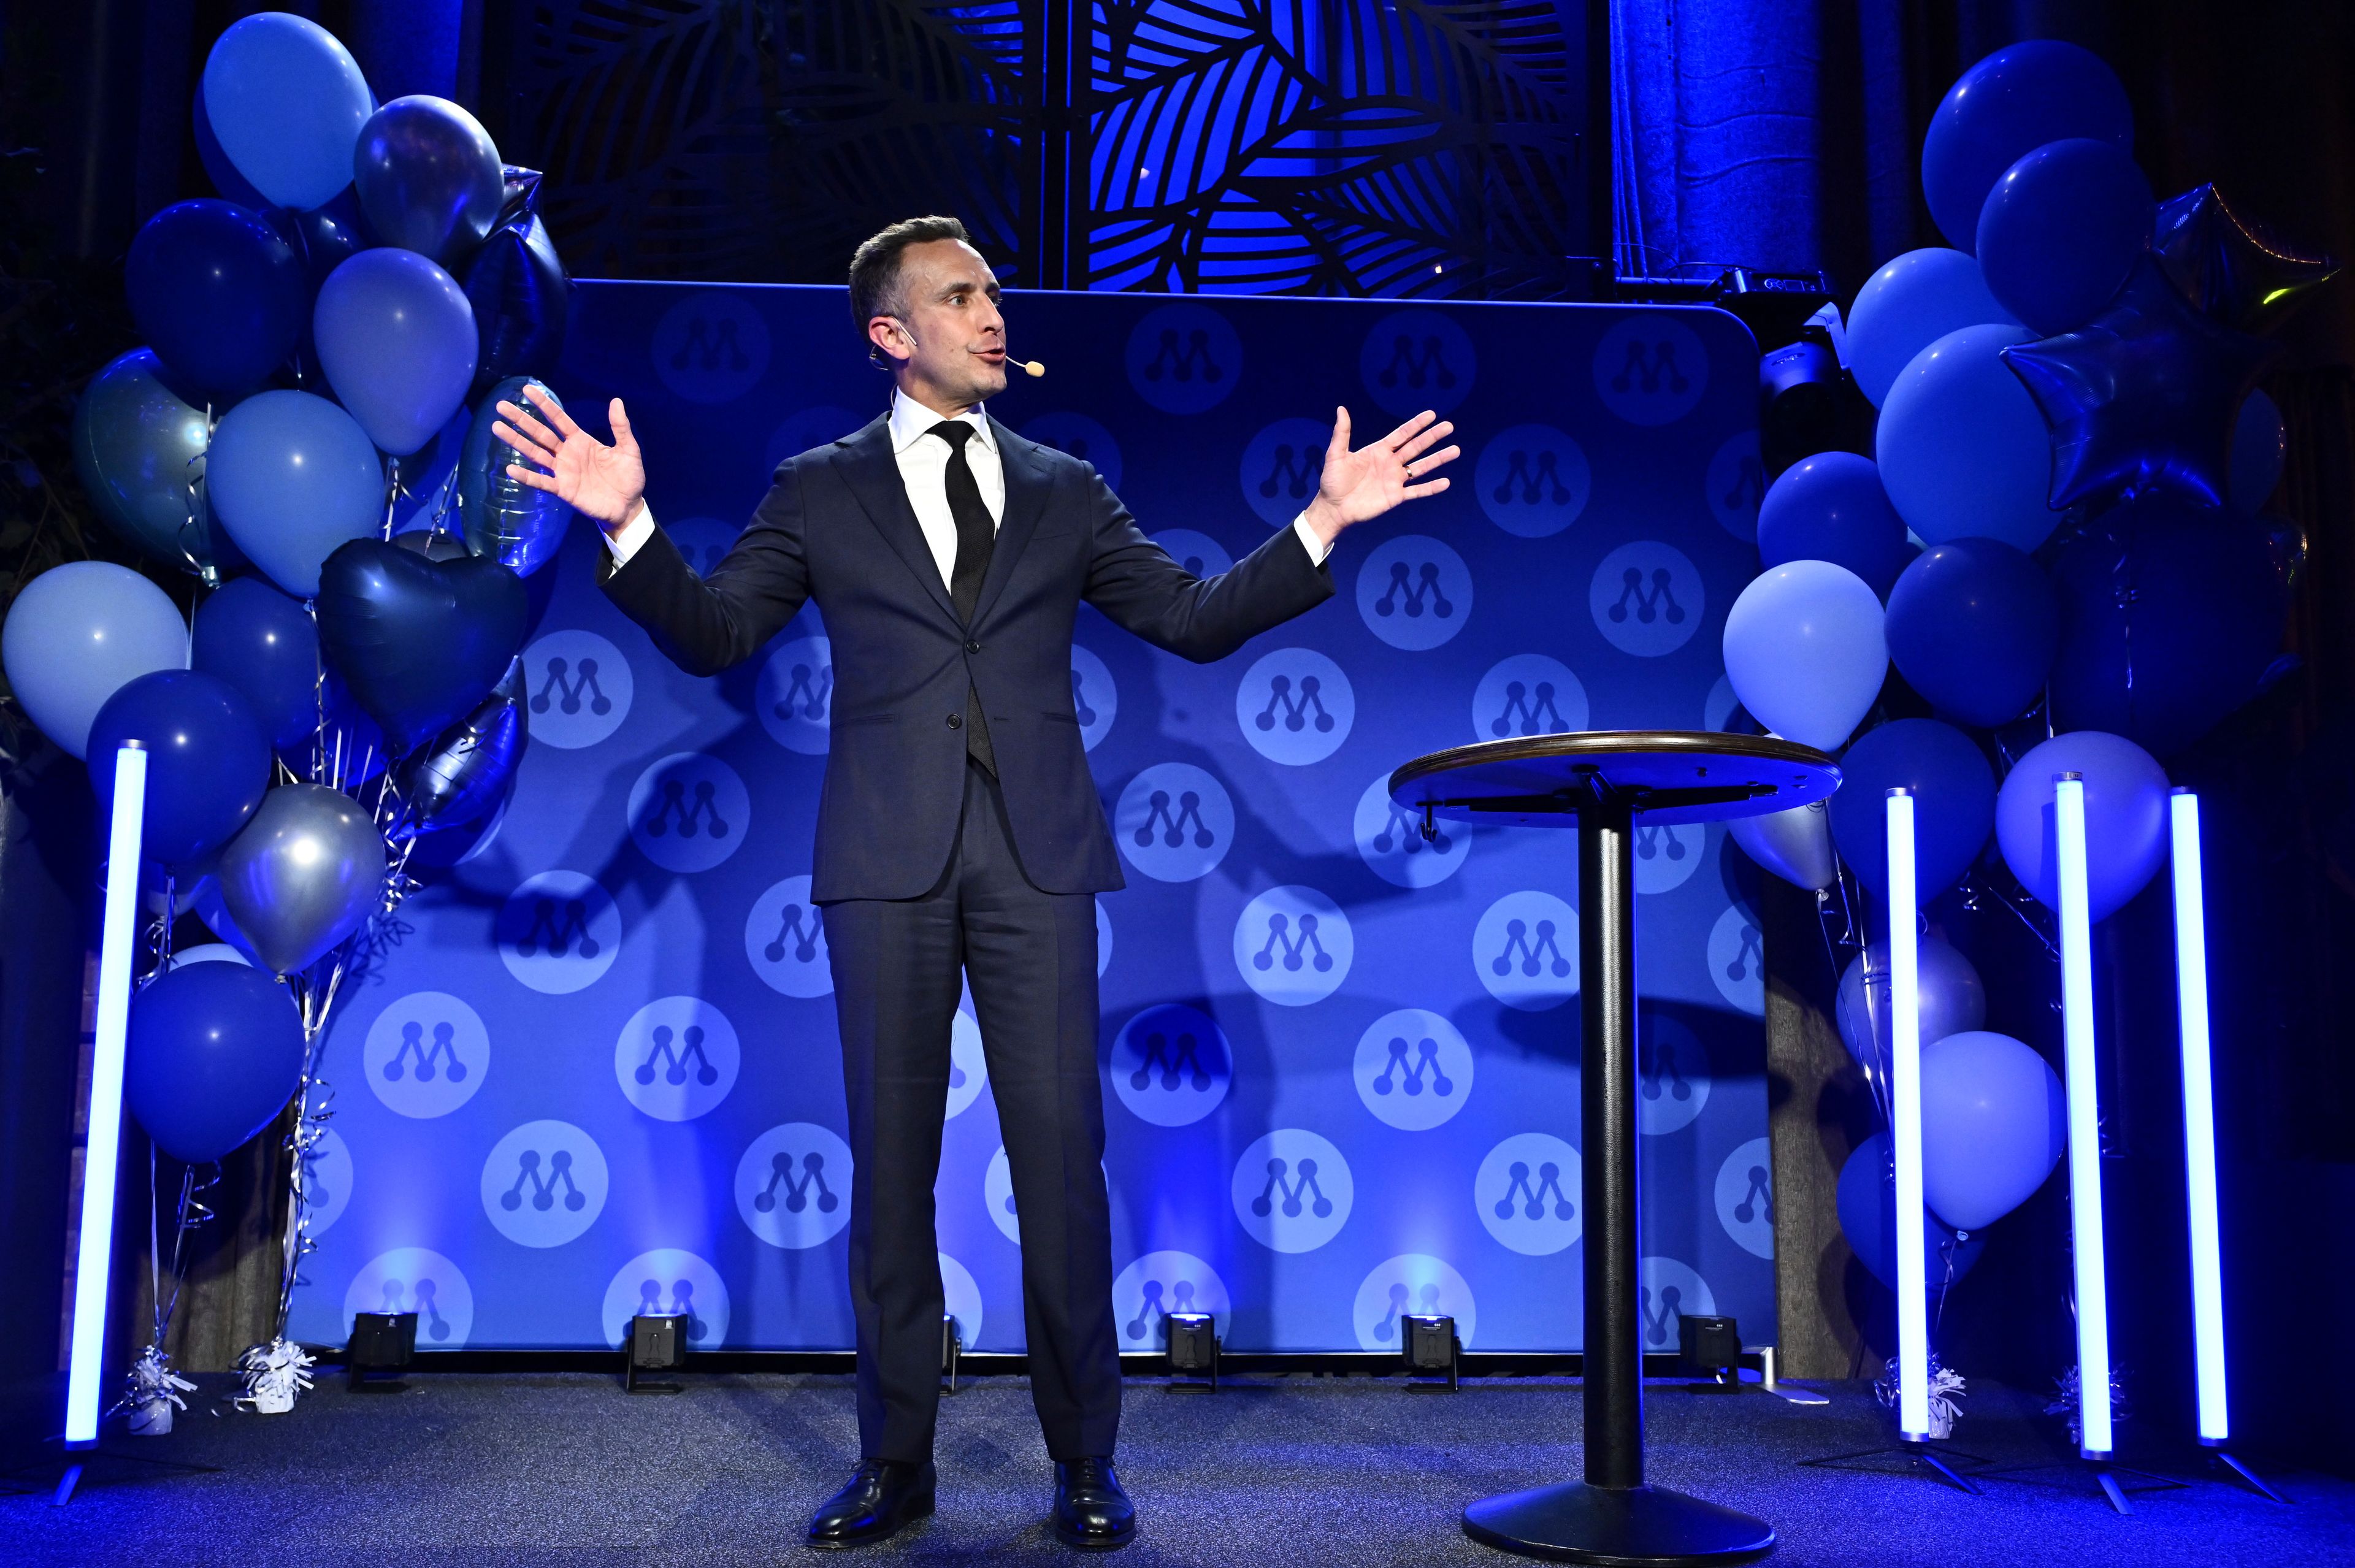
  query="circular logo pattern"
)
[
  {"x": 1647, "y": 598},
  {"x": 1417, "y": 359},
  {"x": 1524, "y": 949},
  {"x": 1667, "y": 856},
  {"x": 961, "y": 1299},
  {"x": 1745, "y": 1197},
  {"x": 326, "y": 1180},
  {"x": 968, "y": 1066},
  {"x": 1171, "y": 1064},
  {"x": 1735, "y": 483},
  {"x": 689, "y": 812},
  {"x": 784, "y": 941},
  {"x": 1531, "y": 480},
  {"x": 1294, "y": 707},
  {"x": 820, "y": 426},
  {"x": 1292, "y": 1191},
  {"x": 1650, "y": 369},
  {"x": 664, "y": 1282},
  {"x": 702, "y": 542},
  {"x": 1196, "y": 553},
  {"x": 1104, "y": 940},
  {"x": 1293, "y": 945},
  {"x": 1737, "y": 961},
  {"x": 793, "y": 1185},
  {"x": 1668, "y": 1290},
  {"x": 1174, "y": 821},
  {"x": 577, "y": 690},
  {"x": 1076, "y": 435},
  {"x": 559, "y": 931},
  {"x": 1281, "y": 467},
  {"x": 544, "y": 1184},
  {"x": 676, "y": 1058},
  {"x": 1390, "y": 839},
  {"x": 1159, "y": 1284},
  {"x": 1526, "y": 1190},
  {"x": 426, "y": 1054},
  {"x": 711, "y": 347},
  {"x": 794, "y": 697},
  {"x": 1412, "y": 1284},
  {"x": 1095, "y": 700},
  {"x": 1527, "y": 694},
  {"x": 1414, "y": 1069},
  {"x": 419, "y": 1280},
  {"x": 1414, "y": 593},
  {"x": 1672, "y": 1075},
  {"x": 1184, "y": 358},
  {"x": 998, "y": 1196}
]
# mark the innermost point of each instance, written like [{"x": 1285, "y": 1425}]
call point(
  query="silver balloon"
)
[
  {"x": 1951, "y": 999},
  {"x": 429, "y": 178},
  {"x": 505, "y": 518},
  {"x": 301, "y": 876},
  {"x": 464, "y": 772},
  {"x": 139, "y": 444},
  {"x": 1796, "y": 844}
]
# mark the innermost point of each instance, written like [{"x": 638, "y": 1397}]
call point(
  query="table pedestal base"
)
[{"x": 1640, "y": 1527}]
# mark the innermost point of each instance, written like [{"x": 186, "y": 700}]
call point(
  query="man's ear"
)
[{"x": 890, "y": 339}]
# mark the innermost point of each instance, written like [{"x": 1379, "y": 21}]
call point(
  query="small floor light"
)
[
  {"x": 1709, "y": 1348},
  {"x": 657, "y": 1344},
  {"x": 951, "y": 1348},
  {"x": 1193, "y": 1348},
  {"x": 2084, "y": 1123},
  {"x": 1432, "y": 1349},
  {"x": 380, "y": 1342}
]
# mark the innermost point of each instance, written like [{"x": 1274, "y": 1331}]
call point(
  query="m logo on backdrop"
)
[
  {"x": 968, "y": 1065},
  {"x": 676, "y": 1058},
  {"x": 711, "y": 347},
  {"x": 1414, "y": 593},
  {"x": 1650, "y": 369},
  {"x": 1647, "y": 599},
  {"x": 426, "y": 1054},
  {"x": 1745, "y": 1197},
  {"x": 1390, "y": 840},
  {"x": 689, "y": 812},
  {"x": 1411, "y": 1282},
  {"x": 663, "y": 1282},
  {"x": 1737, "y": 960},
  {"x": 813, "y": 427},
  {"x": 1184, "y": 358},
  {"x": 1095, "y": 700},
  {"x": 794, "y": 697},
  {"x": 1292, "y": 1191},
  {"x": 1293, "y": 945},
  {"x": 1171, "y": 1065},
  {"x": 544, "y": 1184},
  {"x": 1672, "y": 1078},
  {"x": 1527, "y": 694},
  {"x": 998, "y": 1195},
  {"x": 1416, "y": 360},
  {"x": 559, "y": 931},
  {"x": 1666, "y": 855},
  {"x": 1196, "y": 553},
  {"x": 1412, "y": 1069},
  {"x": 1735, "y": 484},
  {"x": 1668, "y": 1290},
  {"x": 1524, "y": 949},
  {"x": 578, "y": 688},
  {"x": 1282, "y": 465},
  {"x": 1076, "y": 435},
  {"x": 1174, "y": 821},
  {"x": 1527, "y": 1192},
  {"x": 419, "y": 1280},
  {"x": 1159, "y": 1284},
  {"x": 793, "y": 1185},
  {"x": 1294, "y": 707},
  {"x": 961, "y": 1299},
  {"x": 1533, "y": 480},
  {"x": 702, "y": 542},
  {"x": 326, "y": 1180},
  {"x": 784, "y": 941}
]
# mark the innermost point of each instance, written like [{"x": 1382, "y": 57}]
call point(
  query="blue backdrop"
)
[{"x": 597, "y": 1073}]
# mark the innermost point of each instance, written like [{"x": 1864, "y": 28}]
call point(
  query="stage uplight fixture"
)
[
  {"x": 2085, "y": 1249},
  {"x": 657, "y": 1344},
  {"x": 1432, "y": 1347},
  {"x": 380, "y": 1342},
  {"x": 1193, "y": 1348}
]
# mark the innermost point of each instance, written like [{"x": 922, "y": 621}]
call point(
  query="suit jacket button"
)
[
  {"x": 972, "y": 647},
  {"x": 956, "y": 720}
]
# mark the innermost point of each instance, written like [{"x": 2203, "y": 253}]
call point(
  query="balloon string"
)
[{"x": 393, "y": 491}]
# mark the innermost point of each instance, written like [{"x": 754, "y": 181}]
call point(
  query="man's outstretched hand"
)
[
  {"x": 602, "y": 482},
  {"x": 1367, "y": 483}
]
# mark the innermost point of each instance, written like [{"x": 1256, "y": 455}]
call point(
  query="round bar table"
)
[{"x": 1603, "y": 781}]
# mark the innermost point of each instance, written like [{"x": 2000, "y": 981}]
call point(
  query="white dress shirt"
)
[{"x": 923, "y": 459}]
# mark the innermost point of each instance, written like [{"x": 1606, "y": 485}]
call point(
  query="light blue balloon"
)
[
  {"x": 1962, "y": 450},
  {"x": 1913, "y": 300},
  {"x": 1803, "y": 651},
  {"x": 2259, "y": 446},
  {"x": 286, "y": 101},
  {"x": 291, "y": 477},
  {"x": 2126, "y": 818},
  {"x": 1994, "y": 1124},
  {"x": 77, "y": 633},
  {"x": 397, "y": 341}
]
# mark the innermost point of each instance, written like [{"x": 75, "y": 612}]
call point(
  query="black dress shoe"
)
[
  {"x": 881, "y": 1497},
  {"x": 1092, "y": 1510}
]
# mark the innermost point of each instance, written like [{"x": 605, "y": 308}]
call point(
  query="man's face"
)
[{"x": 947, "y": 342}]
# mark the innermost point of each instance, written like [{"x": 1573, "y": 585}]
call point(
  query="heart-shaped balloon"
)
[{"x": 419, "y": 641}]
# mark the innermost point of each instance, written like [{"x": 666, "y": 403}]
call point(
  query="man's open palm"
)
[
  {"x": 1367, "y": 483},
  {"x": 602, "y": 482}
]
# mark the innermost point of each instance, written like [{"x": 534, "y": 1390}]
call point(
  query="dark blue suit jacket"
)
[{"x": 836, "y": 527}]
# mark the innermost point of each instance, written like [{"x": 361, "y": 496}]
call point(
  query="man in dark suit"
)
[{"x": 958, "y": 828}]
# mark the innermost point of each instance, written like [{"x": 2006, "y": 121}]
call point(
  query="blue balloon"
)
[
  {"x": 1832, "y": 507},
  {"x": 2169, "y": 614},
  {"x": 347, "y": 750},
  {"x": 514, "y": 524},
  {"x": 1803, "y": 651},
  {"x": 420, "y": 641},
  {"x": 1866, "y": 1200},
  {"x": 1962, "y": 450},
  {"x": 231, "y": 184},
  {"x": 1954, "y": 803},
  {"x": 1994, "y": 1124},
  {"x": 323, "y": 238},
  {"x": 397, "y": 340},
  {"x": 291, "y": 477},
  {"x": 429, "y": 178},
  {"x": 1911, "y": 302},
  {"x": 2009, "y": 103},
  {"x": 217, "y": 293},
  {"x": 2060, "y": 230},
  {"x": 517, "y": 286},
  {"x": 286, "y": 101},
  {"x": 212, "y": 1055},
  {"x": 1949, "y": 998},
  {"x": 139, "y": 443},
  {"x": 266, "y": 644},
  {"x": 2259, "y": 448},
  {"x": 207, "y": 760},
  {"x": 2126, "y": 818},
  {"x": 1972, "y": 626},
  {"x": 76, "y": 634}
]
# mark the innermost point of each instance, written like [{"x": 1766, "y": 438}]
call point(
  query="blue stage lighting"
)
[
  {"x": 2199, "y": 1117},
  {"x": 1905, "y": 1124},
  {"x": 2085, "y": 1121}
]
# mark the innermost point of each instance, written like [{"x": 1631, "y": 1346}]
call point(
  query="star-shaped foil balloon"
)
[
  {"x": 2231, "y": 270},
  {"x": 2144, "y": 395}
]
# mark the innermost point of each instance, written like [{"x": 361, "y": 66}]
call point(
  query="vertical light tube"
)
[
  {"x": 2084, "y": 1119},
  {"x": 2199, "y": 1117},
  {"x": 101, "y": 1150},
  {"x": 1905, "y": 1124}
]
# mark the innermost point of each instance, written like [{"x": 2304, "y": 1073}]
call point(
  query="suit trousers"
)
[{"x": 1030, "y": 958}]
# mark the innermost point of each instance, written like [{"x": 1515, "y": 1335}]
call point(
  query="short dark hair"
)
[{"x": 874, "y": 267}]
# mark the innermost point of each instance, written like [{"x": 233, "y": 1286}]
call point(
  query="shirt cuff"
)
[
  {"x": 1317, "y": 548},
  {"x": 624, "y": 542}
]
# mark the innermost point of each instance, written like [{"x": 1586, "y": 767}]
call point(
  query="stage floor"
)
[{"x": 565, "y": 1468}]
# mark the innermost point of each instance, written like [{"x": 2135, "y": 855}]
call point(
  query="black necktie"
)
[{"x": 975, "y": 536}]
